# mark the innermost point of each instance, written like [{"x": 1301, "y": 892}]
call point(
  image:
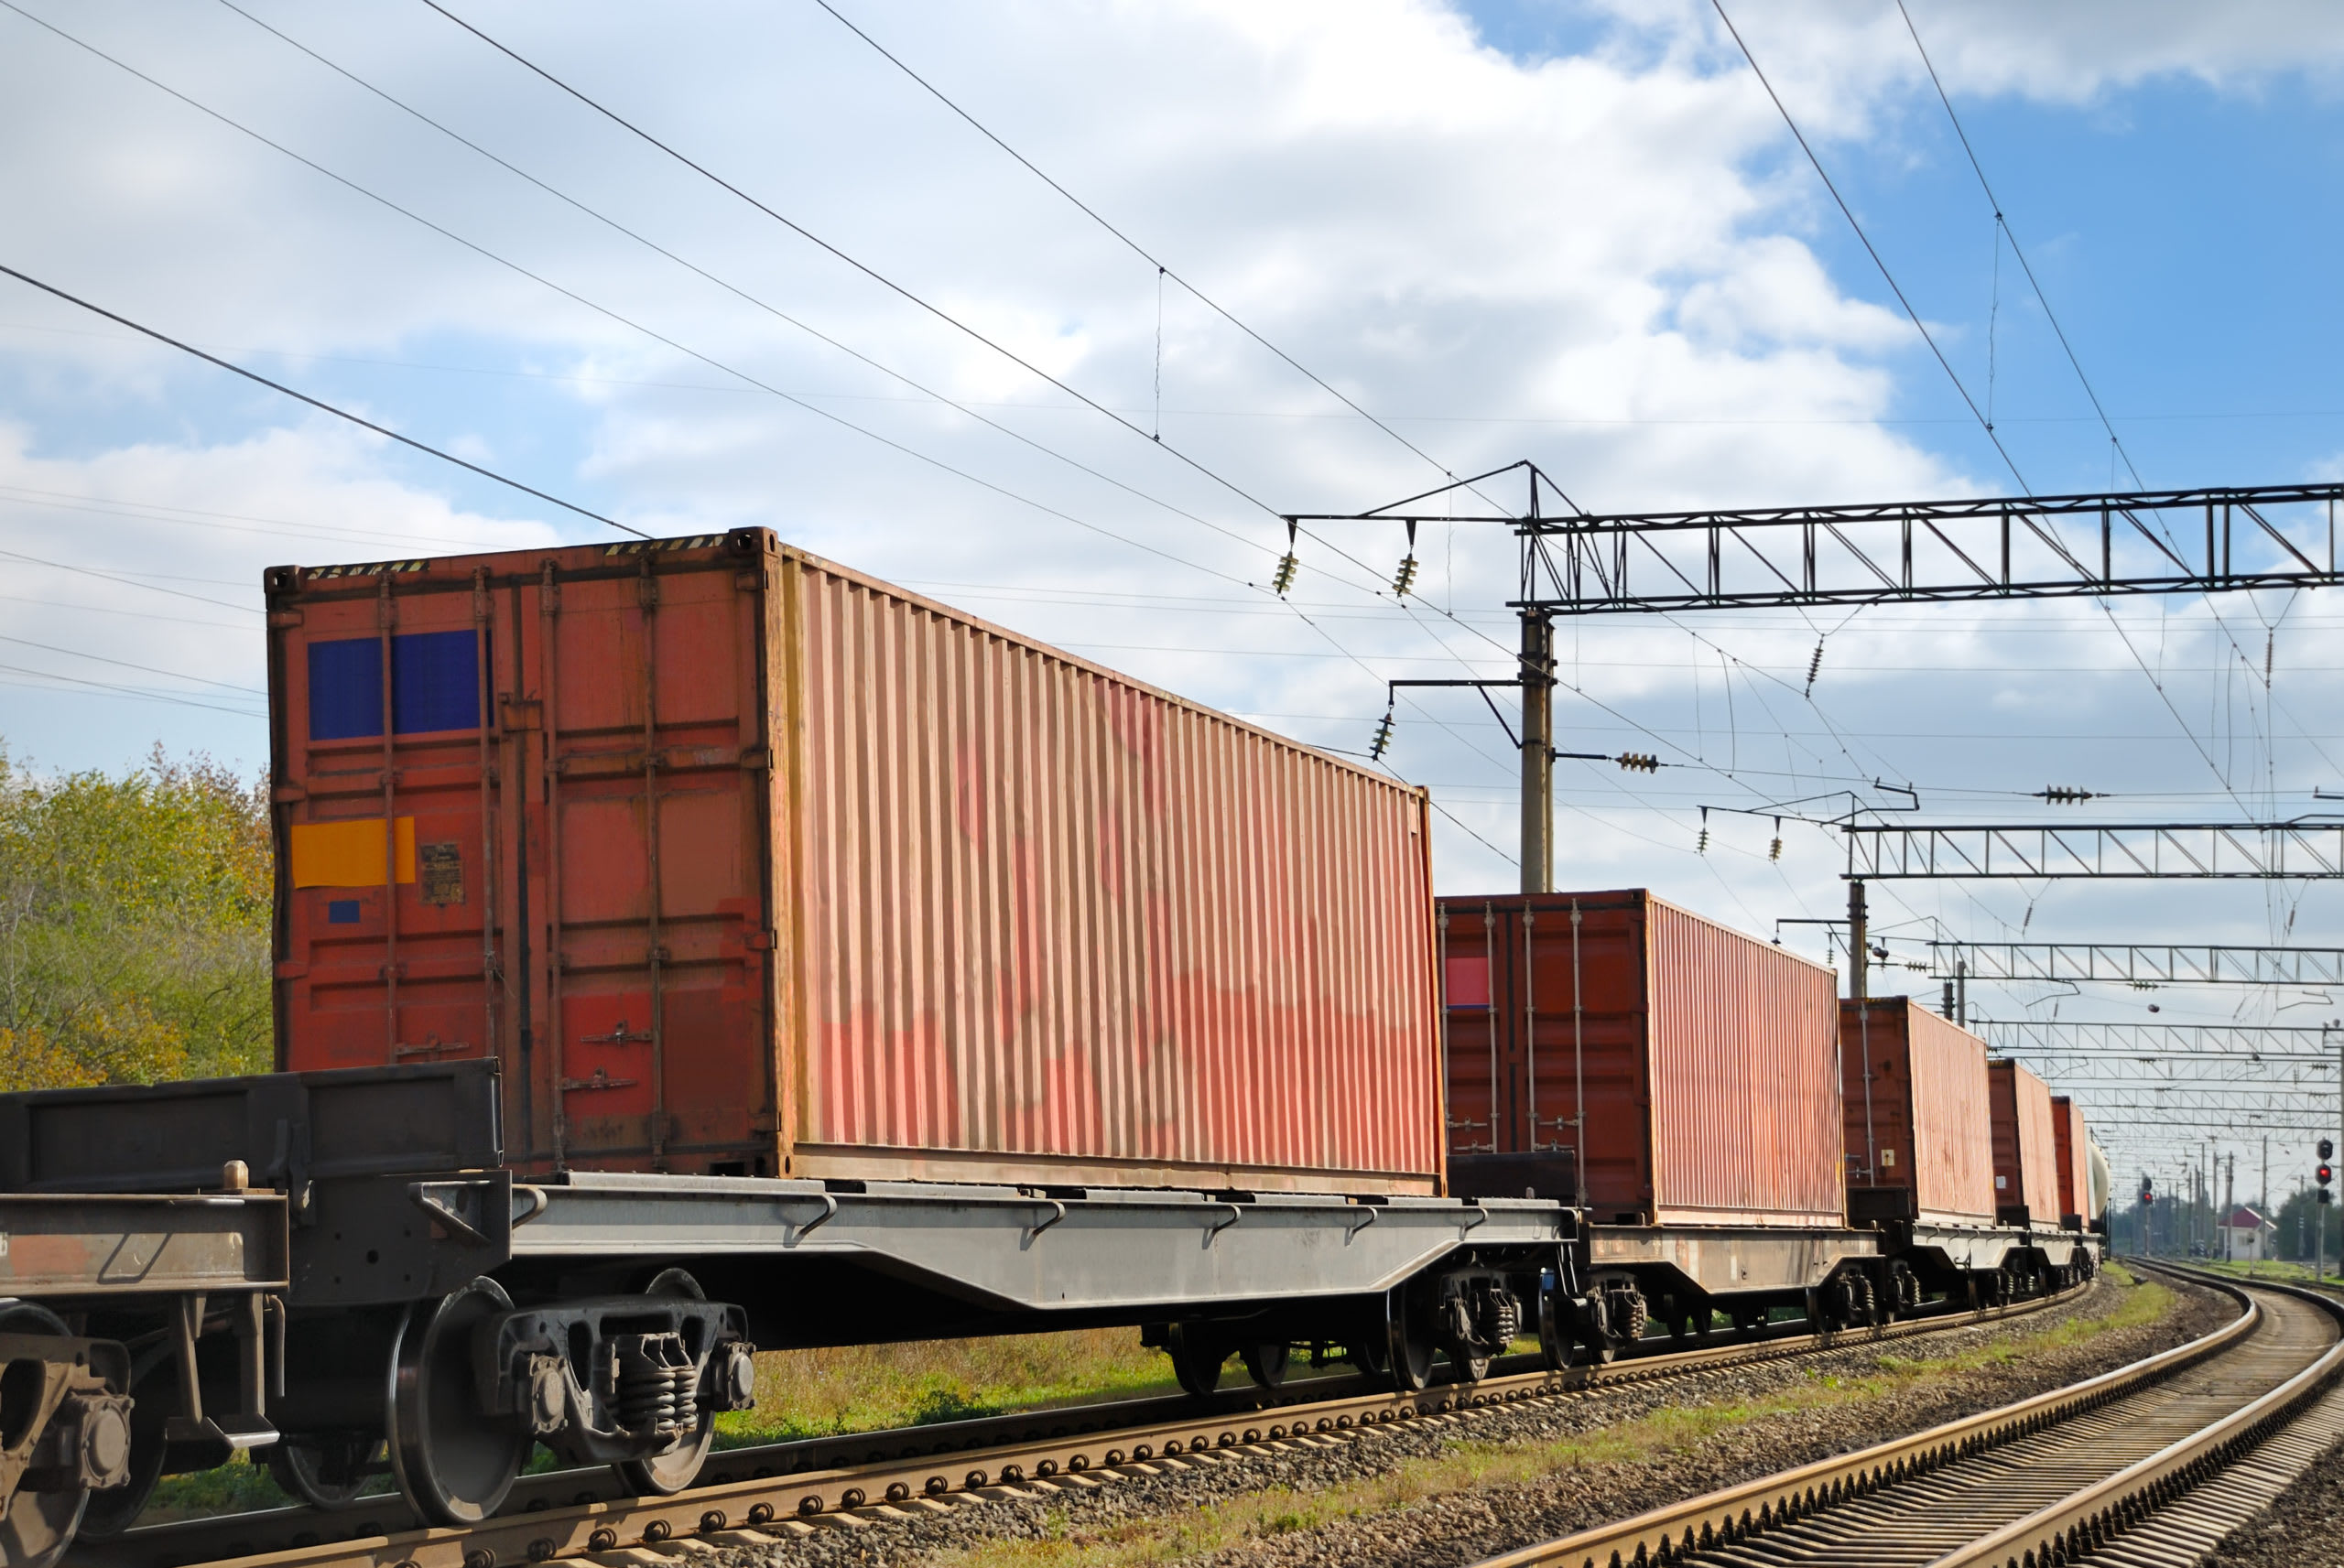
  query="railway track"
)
[
  {"x": 755, "y": 1495},
  {"x": 2151, "y": 1465}
]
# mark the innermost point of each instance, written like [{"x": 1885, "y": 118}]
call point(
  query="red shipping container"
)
[
  {"x": 1914, "y": 1093},
  {"x": 743, "y": 862},
  {"x": 2073, "y": 1146},
  {"x": 1709, "y": 1061},
  {"x": 2027, "y": 1167}
]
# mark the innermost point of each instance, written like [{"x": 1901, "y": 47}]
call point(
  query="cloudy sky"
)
[{"x": 1577, "y": 233}]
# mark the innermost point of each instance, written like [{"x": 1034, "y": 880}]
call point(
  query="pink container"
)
[
  {"x": 742, "y": 861},
  {"x": 2073, "y": 1146},
  {"x": 1709, "y": 1061},
  {"x": 2027, "y": 1164},
  {"x": 1913, "y": 1089}
]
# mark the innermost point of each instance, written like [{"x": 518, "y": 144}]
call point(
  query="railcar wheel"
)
[
  {"x": 1554, "y": 1329},
  {"x": 1266, "y": 1363},
  {"x": 38, "y": 1526},
  {"x": 1197, "y": 1357},
  {"x": 326, "y": 1472},
  {"x": 677, "y": 1466},
  {"x": 454, "y": 1464},
  {"x": 154, "y": 1391},
  {"x": 1407, "y": 1357}
]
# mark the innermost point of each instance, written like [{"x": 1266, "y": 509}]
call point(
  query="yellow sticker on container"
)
[{"x": 349, "y": 854}]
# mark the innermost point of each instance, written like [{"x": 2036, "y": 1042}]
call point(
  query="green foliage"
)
[{"x": 134, "y": 925}]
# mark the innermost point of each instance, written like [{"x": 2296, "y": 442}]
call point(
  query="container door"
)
[
  {"x": 386, "y": 816},
  {"x": 651, "y": 930}
]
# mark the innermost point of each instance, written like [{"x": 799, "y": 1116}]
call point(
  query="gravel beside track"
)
[
  {"x": 2305, "y": 1530},
  {"x": 1462, "y": 1526}
]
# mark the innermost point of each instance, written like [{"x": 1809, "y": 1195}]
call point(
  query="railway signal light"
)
[
  {"x": 2325, "y": 1173},
  {"x": 2148, "y": 1191}
]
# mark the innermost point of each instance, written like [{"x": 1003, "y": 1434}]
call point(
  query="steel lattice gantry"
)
[
  {"x": 2181, "y": 541},
  {"x": 2109, "y": 849},
  {"x": 2136, "y": 963},
  {"x": 2015, "y": 1036}
]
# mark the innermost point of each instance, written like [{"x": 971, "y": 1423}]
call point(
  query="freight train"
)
[{"x": 692, "y": 946}]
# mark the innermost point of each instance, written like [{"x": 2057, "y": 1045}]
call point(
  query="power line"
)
[
  {"x": 131, "y": 691},
  {"x": 125, "y": 663},
  {"x": 316, "y": 403},
  {"x": 868, "y": 271},
  {"x": 930, "y": 394},
  {"x": 1847, "y": 212},
  {"x": 569, "y": 294},
  {"x": 1133, "y": 245}
]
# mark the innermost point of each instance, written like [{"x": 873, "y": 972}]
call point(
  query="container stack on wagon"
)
[
  {"x": 2027, "y": 1164},
  {"x": 740, "y": 862},
  {"x": 1913, "y": 1095}
]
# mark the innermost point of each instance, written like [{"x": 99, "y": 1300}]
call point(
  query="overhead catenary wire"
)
[
  {"x": 317, "y": 403},
  {"x": 867, "y": 270},
  {"x": 581, "y": 299},
  {"x": 962, "y": 406},
  {"x": 1162, "y": 270}
]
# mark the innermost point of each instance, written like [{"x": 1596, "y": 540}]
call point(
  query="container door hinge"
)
[
  {"x": 762, "y": 941},
  {"x": 284, "y": 618},
  {"x": 287, "y": 794},
  {"x": 757, "y": 757}
]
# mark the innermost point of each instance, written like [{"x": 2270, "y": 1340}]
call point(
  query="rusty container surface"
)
[
  {"x": 742, "y": 862},
  {"x": 1914, "y": 1089},
  {"x": 2072, "y": 1145},
  {"x": 1705, "y": 1061},
  {"x": 2027, "y": 1166}
]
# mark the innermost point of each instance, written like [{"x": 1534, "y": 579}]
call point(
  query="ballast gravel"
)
[
  {"x": 1463, "y": 1526},
  {"x": 2305, "y": 1530}
]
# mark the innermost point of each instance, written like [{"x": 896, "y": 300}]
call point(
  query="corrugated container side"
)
[
  {"x": 740, "y": 861},
  {"x": 1707, "y": 1058},
  {"x": 2073, "y": 1158},
  {"x": 1048, "y": 914},
  {"x": 1929, "y": 1123},
  {"x": 2025, "y": 1158},
  {"x": 1745, "y": 1077}
]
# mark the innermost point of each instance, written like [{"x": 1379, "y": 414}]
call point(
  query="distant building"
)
[{"x": 2246, "y": 1235}]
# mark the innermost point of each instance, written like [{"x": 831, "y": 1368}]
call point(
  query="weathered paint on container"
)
[
  {"x": 1914, "y": 1089},
  {"x": 2026, "y": 1169},
  {"x": 740, "y": 861},
  {"x": 2072, "y": 1144},
  {"x": 1708, "y": 1060}
]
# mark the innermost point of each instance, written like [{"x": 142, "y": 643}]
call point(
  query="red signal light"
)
[{"x": 2326, "y": 1173}]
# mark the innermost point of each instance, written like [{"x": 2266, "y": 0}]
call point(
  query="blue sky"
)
[{"x": 1573, "y": 232}]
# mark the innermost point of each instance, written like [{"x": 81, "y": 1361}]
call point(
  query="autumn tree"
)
[{"x": 134, "y": 925}]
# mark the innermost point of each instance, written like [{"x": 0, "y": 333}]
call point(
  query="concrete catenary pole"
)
[{"x": 1538, "y": 753}]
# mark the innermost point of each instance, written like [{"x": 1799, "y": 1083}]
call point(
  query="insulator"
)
[
  {"x": 1702, "y": 848},
  {"x": 1284, "y": 579},
  {"x": 1775, "y": 851},
  {"x": 1405, "y": 578},
  {"x": 1815, "y": 664},
  {"x": 1638, "y": 761},
  {"x": 1383, "y": 741}
]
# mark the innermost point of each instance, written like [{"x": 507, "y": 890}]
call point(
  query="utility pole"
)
[
  {"x": 1538, "y": 753},
  {"x": 2229, "y": 1201},
  {"x": 1858, "y": 943}
]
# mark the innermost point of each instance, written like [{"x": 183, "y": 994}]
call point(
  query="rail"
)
[
  {"x": 749, "y": 1502},
  {"x": 2080, "y": 1521}
]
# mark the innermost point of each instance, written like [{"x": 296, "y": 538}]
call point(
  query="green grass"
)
[{"x": 867, "y": 1388}]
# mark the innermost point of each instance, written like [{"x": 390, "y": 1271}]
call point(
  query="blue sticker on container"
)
[
  {"x": 342, "y": 912},
  {"x": 435, "y": 682},
  {"x": 435, "y": 685},
  {"x": 345, "y": 689}
]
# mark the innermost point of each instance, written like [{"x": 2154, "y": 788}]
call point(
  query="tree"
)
[{"x": 134, "y": 925}]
